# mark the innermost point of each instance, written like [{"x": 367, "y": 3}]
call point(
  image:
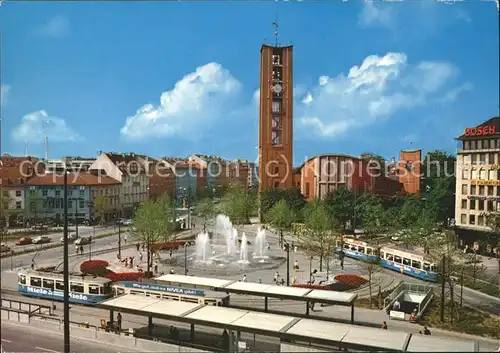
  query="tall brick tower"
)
[{"x": 276, "y": 117}]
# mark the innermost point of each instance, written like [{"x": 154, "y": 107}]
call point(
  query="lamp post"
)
[
  {"x": 67, "y": 342},
  {"x": 119, "y": 240},
  {"x": 185, "y": 259},
  {"x": 310, "y": 269},
  {"x": 287, "y": 249}
]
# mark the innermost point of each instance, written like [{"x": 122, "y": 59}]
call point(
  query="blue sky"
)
[{"x": 175, "y": 78}]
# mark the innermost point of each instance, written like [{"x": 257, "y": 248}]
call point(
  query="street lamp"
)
[
  {"x": 185, "y": 259},
  {"x": 287, "y": 249},
  {"x": 67, "y": 342}
]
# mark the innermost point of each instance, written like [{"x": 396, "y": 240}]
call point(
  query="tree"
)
[
  {"x": 238, "y": 204},
  {"x": 370, "y": 268},
  {"x": 34, "y": 205},
  {"x": 493, "y": 221},
  {"x": 206, "y": 211},
  {"x": 292, "y": 196},
  {"x": 373, "y": 217},
  {"x": 153, "y": 222},
  {"x": 280, "y": 216},
  {"x": 319, "y": 236},
  {"x": 374, "y": 158},
  {"x": 100, "y": 207},
  {"x": 341, "y": 204}
]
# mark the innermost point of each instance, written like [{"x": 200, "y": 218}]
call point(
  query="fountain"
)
[
  {"x": 244, "y": 250},
  {"x": 260, "y": 246},
  {"x": 202, "y": 248},
  {"x": 225, "y": 227}
]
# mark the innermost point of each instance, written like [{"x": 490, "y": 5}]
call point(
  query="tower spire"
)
[{"x": 276, "y": 30}]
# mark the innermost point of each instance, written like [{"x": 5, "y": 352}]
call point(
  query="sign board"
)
[
  {"x": 397, "y": 315},
  {"x": 485, "y": 182},
  {"x": 160, "y": 288},
  {"x": 481, "y": 130}
]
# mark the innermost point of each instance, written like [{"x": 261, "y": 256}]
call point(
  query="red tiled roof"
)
[
  {"x": 492, "y": 121},
  {"x": 79, "y": 179}
]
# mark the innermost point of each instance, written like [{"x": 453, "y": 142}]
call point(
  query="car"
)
[
  {"x": 82, "y": 241},
  {"x": 41, "y": 240},
  {"x": 127, "y": 222},
  {"x": 4, "y": 248},
  {"x": 24, "y": 241},
  {"x": 71, "y": 238}
]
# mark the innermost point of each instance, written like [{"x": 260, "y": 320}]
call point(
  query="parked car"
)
[
  {"x": 128, "y": 222},
  {"x": 41, "y": 240},
  {"x": 82, "y": 241},
  {"x": 71, "y": 238},
  {"x": 24, "y": 241},
  {"x": 4, "y": 248}
]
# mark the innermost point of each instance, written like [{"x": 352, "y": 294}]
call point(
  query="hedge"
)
[
  {"x": 351, "y": 279},
  {"x": 99, "y": 268}
]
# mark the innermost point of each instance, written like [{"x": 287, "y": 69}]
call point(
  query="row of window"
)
[
  {"x": 19, "y": 205},
  {"x": 18, "y": 193},
  {"x": 481, "y": 190},
  {"x": 481, "y": 174},
  {"x": 478, "y": 158},
  {"x": 50, "y": 284},
  {"x": 480, "y": 219},
  {"x": 57, "y": 193},
  {"x": 481, "y": 144},
  {"x": 478, "y": 205}
]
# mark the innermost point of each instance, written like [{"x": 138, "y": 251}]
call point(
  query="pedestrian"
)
[
  {"x": 143, "y": 246},
  {"x": 119, "y": 322},
  {"x": 32, "y": 264},
  {"x": 295, "y": 265},
  {"x": 81, "y": 249},
  {"x": 125, "y": 238},
  {"x": 137, "y": 246},
  {"x": 244, "y": 279},
  {"x": 397, "y": 305},
  {"x": 276, "y": 277},
  {"x": 140, "y": 257},
  {"x": 77, "y": 249},
  {"x": 282, "y": 281},
  {"x": 426, "y": 331},
  {"x": 268, "y": 246},
  {"x": 384, "y": 325},
  {"x": 156, "y": 268},
  {"x": 260, "y": 280}
]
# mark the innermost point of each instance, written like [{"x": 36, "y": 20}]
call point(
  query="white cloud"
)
[
  {"x": 57, "y": 27},
  {"x": 4, "y": 90},
  {"x": 376, "y": 90},
  {"x": 196, "y": 100},
  {"x": 375, "y": 15},
  {"x": 34, "y": 127},
  {"x": 452, "y": 94}
]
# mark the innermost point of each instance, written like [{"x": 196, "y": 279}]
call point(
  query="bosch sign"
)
[{"x": 481, "y": 130}]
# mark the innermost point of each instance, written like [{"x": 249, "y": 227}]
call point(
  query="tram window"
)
[
  {"x": 416, "y": 264},
  {"x": 406, "y": 262},
  {"x": 433, "y": 268},
  {"x": 397, "y": 259},
  {"x": 189, "y": 299},
  {"x": 346, "y": 246},
  {"x": 48, "y": 283},
  {"x": 427, "y": 267},
  {"x": 376, "y": 253},
  {"x": 136, "y": 292},
  {"x": 59, "y": 285},
  {"x": 369, "y": 251},
  {"x": 149, "y": 294},
  {"x": 382, "y": 254},
  {"x": 93, "y": 289},
  {"x": 106, "y": 289},
  {"x": 171, "y": 297},
  {"x": 76, "y": 287},
  {"x": 361, "y": 249},
  {"x": 36, "y": 281},
  {"x": 22, "y": 279},
  {"x": 354, "y": 248},
  {"x": 389, "y": 257}
]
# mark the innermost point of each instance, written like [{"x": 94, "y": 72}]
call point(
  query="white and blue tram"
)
[
  {"x": 172, "y": 293},
  {"x": 50, "y": 285},
  {"x": 401, "y": 260}
]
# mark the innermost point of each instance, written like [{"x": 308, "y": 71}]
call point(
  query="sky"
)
[{"x": 176, "y": 78}]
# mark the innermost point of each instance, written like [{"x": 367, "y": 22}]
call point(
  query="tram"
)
[
  {"x": 50, "y": 285},
  {"x": 171, "y": 293}
]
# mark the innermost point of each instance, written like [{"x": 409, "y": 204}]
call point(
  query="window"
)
[
  {"x": 473, "y": 158},
  {"x": 479, "y": 144},
  {"x": 406, "y": 262},
  {"x": 106, "y": 289},
  {"x": 482, "y": 158},
  {"x": 58, "y": 193},
  {"x": 474, "y": 174},
  {"x": 490, "y": 190},
  {"x": 465, "y": 174},
  {"x": 492, "y": 144},
  {"x": 427, "y": 266},
  {"x": 276, "y": 107},
  {"x": 59, "y": 285},
  {"x": 480, "y": 220},
  {"x": 481, "y": 205},
  {"x": 472, "y": 219},
  {"x": 482, "y": 174},
  {"x": 18, "y": 193},
  {"x": 491, "y": 174},
  {"x": 82, "y": 204},
  {"x": 44, "y": 192},
  {"x": 346, "y": 246},
  {"x": 491, "y": 158},
  {"x": 463, "y": 219},
  {"x": 473, "y": 145},
  {"x": 473, "y": 189},
  {"x": 276, "y": 138},
  {"x": 481, "y": 190},
  {"x": 397, "y": 259},
  {"x": 48, "y": 283},
  {"x": 361, "y": 249},
  {"x": 489, "y": 205},
  {"x": 22, "y": 279},
  {"x": 464, "y": 204},
  {"x": 82, "y": 193},
  {"x": 472, "y": 204},
  {"x": 70, "y": 204},
  {"x": 464, "y": 189},
  {"x": 369, "y": 251},
  {"x": 70, "y": 193},
  {"x": 93, "y": 289},
  {"x": 19, "y": 205},
  {"x": 307, "y": 189},
  {"x": 76, "y": 287},
  {"x": 389, "y": 257},
  {"x": 36, "y": 281},
  {"x": 466, "y": 145}
]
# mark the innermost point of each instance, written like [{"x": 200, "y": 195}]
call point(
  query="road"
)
[
  {"x": 83, "y": 231},
  {"x": 16, "y": 338}
]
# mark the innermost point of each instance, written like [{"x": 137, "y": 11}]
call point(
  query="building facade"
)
[
  {"x": 276, "y": 117},
  {"x": 130, "y": 170},
  {"x": 323, "y": 174},
  {"x": 478, "y": 175}
]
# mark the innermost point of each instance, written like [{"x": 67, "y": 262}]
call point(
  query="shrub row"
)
[
  {"x": 351, "y": 280},
  {"x": 99, "y": 268}
]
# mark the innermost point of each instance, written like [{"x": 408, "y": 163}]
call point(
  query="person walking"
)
[
  {"x": 119, "y": 322},
  {"x": 427, "y": 332},
  {"x": 384, "y": 325}
]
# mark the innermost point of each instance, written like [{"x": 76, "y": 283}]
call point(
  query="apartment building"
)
[
  {"x": 79, "y": 164},
  {"x": 131, "y": 170},
  {"x": 44, "y": 196},
  {"x": 478, "y": 175}
]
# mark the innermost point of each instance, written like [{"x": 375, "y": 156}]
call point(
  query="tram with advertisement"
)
[{"x": 389, "y": 256}]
